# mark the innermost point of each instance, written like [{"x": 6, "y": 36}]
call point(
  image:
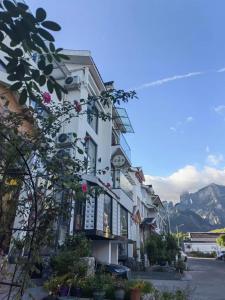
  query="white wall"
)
[
  {"x": 102, "y": 251},
  {"x": 203, "y": 247}
]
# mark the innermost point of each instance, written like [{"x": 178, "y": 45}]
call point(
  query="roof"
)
[
  {"x": 202, "y": 235},
  {"x": 79, "y": 57}
]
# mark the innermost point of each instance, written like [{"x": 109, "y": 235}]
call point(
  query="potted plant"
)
[
  {"x": 59, "y": 285},
  {"x": 76, "y": 284},
  {"x": 119, "y": 289},
  {"x": 138, "y": 288},
  {"x": 99, "y": 285}
]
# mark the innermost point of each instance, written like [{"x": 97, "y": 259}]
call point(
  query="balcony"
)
[{"x": 119, "y": 141}]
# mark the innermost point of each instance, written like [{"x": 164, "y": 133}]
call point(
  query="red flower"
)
[
  {"x": 84, "y": 187},
  {"x": 77, "y": 106},
  {"x": 46, "y": 97}
]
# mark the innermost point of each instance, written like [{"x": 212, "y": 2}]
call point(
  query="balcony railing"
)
[
  {"x": 120, "y": 181},
  {"x": 119, "y": 139}
]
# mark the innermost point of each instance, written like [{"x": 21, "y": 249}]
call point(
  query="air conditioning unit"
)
[
  {"x": 65, "y": 139},
  {"x": 72, "y": 82},
  {"x": 64, "y": 153}
]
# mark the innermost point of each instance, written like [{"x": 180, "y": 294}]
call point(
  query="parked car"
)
[
  {"x": 221, "y": 255},
  {"x": 115, "y": 270},
  {"x": 183, "y": 256}
]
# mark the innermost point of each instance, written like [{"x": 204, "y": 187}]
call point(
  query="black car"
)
[{"x": 115, "y": 270}]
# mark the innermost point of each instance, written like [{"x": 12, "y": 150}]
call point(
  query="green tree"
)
[
  {"x": 45, "y": 181},
  {"x": 221, "y": 240}
]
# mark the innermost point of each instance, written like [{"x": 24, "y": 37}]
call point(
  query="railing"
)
[
  {"x": 120, "y": 181},
  {"x": 119, "y": 139}
]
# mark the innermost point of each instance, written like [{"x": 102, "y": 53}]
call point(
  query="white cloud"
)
[
  {"x": 172, "y": 128},
  {"x": 188, "y": 178},
  {"x": 220, "y": 109},
  {"x": 221, "y": 70},
  {"x": 189, "y": 119},
  {"x": 215, "y": 159},
  {"x": 168, "y": 79}
]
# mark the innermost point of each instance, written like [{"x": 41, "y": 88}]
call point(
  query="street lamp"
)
[{"x": 178, "y": 240}]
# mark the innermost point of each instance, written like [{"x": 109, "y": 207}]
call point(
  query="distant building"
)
[{"x": 203, "y": 242}]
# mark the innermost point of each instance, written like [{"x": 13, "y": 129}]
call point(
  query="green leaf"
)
[
  {"x": 16, "y": 86},
  {"x": 37, "y": 39},
  {"x": 48, "y": 69},
  {"x": 80, "y": 151},
  {"x": 1, "y": 36},
  {"x": 58, "y": 92},
  {"x": 50, "y": 86},
  {"x": 46, "y": 35},
  {"x": 23, "y": 97},
  {"x": 52, "y": 47},
  {"x": 41, "y": 64},
  {"x": 36, "y": 74},
  {"x": 11, "y": 8},
  {"x": 12, "y": 77},
  {"x": 50, "y": 59},
  {"x": 59, "y": 50},
  {"x": 22, "y": 6},
  {"x": 51, "y": 25},
  {"x": 42, "y": 80},
  {"x": 40, "y": 14},
  {"x": 18, "y": 52}
]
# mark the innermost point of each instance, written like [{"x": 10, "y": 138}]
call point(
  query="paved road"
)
[
  {"x": 204, "y": 281},
  {"x": 208, "y": 278}
]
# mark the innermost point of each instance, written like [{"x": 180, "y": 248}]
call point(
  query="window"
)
[
  {"x": 92, "y": 116},
  {"x": 91, "y": 152},
  {"x": 79, "y": 214},
  {"x": 107, "y": 215},
  {"x": 123, "y": 222}
]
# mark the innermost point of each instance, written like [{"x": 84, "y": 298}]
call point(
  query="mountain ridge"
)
[{"x": 203, "y": 210}]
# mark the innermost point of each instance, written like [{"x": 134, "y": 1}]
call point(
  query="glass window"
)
[
  {"x": 92, "y": 116},
  {"x": 123, "y": 222},
  {"x": 79, "y": 214},
  {"x": 91, "y": 152},
  {"x": 107, "y": 215}
]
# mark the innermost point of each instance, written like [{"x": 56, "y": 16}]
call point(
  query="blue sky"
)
[{"x": 180, "y": 121}]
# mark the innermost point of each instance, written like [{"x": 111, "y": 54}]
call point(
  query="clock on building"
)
[{"x": 118, "y": 160}]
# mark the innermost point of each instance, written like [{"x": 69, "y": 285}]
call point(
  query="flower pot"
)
[
  {"x": 119, "y": 294},
  {"x": 135, "y": 294},
  {"x": 98, "y": 295},
  {"x": 63, "y": 291}
]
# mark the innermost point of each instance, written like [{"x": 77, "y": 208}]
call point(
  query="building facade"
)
[{"x": 122, "y": 217}]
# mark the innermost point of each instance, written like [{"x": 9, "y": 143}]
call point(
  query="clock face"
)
[{"x": 118, "y": 160}]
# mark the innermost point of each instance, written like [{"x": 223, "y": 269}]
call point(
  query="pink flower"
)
[
  {"x": 77, "y": 106},
  {"x": 84, "y": 187},
  {"x": 46, "y": 97}
]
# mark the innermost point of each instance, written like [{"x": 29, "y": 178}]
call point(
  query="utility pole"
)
[{"x": 178, "y": 239}]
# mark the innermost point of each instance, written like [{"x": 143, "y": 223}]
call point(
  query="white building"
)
[
  {"x": 203, "y": 242},
  {"x": 119, "y": 220},
  {"x": 109, "y": 219}
]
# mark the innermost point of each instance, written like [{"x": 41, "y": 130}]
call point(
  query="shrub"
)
[
  {"x": 180, "y": 266},
  {"x": 203, "y": 254}
]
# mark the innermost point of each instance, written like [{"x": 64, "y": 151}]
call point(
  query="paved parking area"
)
[{"x": 204, "y": 281}]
